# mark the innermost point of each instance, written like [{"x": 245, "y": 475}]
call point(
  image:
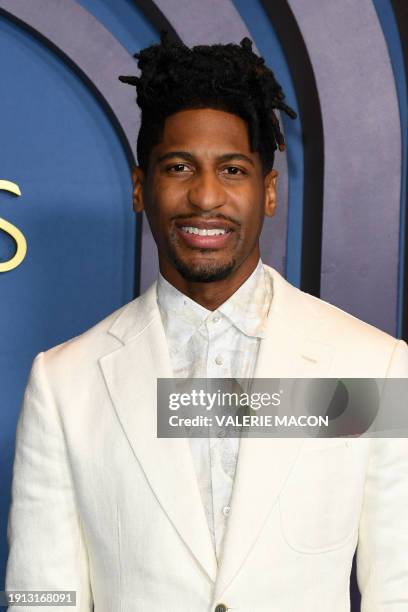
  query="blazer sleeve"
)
[
  {"x": 382, "y": 552},
  {"x": 47, "y": 549}
]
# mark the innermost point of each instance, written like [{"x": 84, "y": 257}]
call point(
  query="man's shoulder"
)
[
  {"x": 328, "y": 323},
  {"x": 352, "y": 346},
  {"x": 106, "y": 335}
]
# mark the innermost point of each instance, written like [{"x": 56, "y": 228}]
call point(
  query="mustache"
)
[{"x": 209, "y": 217}]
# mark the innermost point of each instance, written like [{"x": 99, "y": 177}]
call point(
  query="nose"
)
[{"x": 206, "y": 192}]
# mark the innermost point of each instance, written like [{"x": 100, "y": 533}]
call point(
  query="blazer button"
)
[{"x": 220, "y": 608}]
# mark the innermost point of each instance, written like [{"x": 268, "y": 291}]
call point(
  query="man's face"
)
[{"x": 205, "y": 195}]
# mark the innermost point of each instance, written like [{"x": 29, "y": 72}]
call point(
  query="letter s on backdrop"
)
[{"x": 13, "y": 231}]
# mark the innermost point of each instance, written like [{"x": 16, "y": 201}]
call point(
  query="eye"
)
[
  {"x": 233, "y": 171},
  {"x": 178, "y": 168}
]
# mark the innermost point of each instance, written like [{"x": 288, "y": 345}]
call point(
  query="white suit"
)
[{"x": 104, "y": 507}]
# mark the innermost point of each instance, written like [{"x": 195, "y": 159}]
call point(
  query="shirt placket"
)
[{"x": 218, "y": 328}]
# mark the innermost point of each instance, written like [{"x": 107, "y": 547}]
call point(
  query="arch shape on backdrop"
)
[
  {"x": 157, "y": 18},
  {"x": 394, "y": 20},
  {"x": 282, "y": 235},
  {"x": 86, "y": 53},
  {"x": 306, "y": 227},
  {"x": 362, "y": 134}
]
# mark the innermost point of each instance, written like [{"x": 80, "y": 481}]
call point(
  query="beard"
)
[{"x": 205, "y": 272}]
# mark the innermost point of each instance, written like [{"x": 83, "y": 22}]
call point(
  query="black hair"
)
[{"x": 227, "y": 77}]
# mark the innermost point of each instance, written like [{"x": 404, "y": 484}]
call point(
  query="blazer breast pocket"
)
[{"x": 321, "y": 501}]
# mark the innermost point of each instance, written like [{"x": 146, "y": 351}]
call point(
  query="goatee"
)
[{"x": 205, "y": 272}]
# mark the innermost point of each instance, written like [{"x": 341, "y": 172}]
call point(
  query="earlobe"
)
[
  {"x": 270, "y": 193},
  {"x": 138, "y": 179}
]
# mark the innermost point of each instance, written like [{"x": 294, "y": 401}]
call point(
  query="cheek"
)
[
  {"x": 253, "y": 226},
  {"x": 252, "y": 200},
  {"x": 166, "y": 200},
  {"x": 253, "y": 215}
]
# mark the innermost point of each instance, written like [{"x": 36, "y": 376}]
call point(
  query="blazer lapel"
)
[
  {"x": 264, "y": 464},
  {"x": 131, "y": 374}
]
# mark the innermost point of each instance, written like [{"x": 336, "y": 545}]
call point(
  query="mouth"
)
[{"x": 205, "y": 235}]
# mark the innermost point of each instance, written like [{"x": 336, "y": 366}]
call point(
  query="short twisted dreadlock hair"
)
[{"x": 228, "y": 77}]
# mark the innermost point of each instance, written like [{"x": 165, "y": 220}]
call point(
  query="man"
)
[{"x": 134, "y": 522}]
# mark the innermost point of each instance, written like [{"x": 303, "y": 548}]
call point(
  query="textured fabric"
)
[{"x": 216, "y": 344}]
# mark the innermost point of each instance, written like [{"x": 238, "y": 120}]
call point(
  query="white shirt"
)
[{"x": 216, "y": 344}]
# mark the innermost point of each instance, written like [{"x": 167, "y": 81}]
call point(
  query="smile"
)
[
  {"x": 205, "y": 238},
  {"x": 204, "y": 232}
]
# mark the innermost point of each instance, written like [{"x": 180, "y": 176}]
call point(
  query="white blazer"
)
[{"x": 101, "y": 506}]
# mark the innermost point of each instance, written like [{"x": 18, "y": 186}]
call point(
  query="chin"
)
[{"x": 205, "y": 272}]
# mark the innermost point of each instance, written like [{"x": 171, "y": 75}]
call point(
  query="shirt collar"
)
[
  {"x": 181, "y": 315},
  {"x": 247, "y": 308}
]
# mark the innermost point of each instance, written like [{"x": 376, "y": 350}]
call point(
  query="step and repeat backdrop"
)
[{"x": 71, "y": 248}]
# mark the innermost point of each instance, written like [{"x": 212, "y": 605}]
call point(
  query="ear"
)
[
  {"x": 270, "y": 193},
  {"x": 138, "y": 180}
]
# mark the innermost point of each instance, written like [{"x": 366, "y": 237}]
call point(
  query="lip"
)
[{"x": 204, "y": 242}]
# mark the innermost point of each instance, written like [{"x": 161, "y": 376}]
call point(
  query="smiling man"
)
[{"x": 132, "y": 522}]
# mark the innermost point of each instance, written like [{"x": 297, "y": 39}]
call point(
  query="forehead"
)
[{"x": 205, "y": 131}]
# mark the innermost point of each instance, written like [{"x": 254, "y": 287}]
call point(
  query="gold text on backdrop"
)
[{"x": 13, "y": 231}]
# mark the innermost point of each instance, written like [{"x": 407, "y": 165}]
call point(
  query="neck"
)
[{"x": 209, "y": 295}]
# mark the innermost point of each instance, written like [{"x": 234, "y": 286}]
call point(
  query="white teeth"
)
[{"x": 203, "y": 232}]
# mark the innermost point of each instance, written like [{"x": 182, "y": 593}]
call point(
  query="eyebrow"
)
[{"x": 190, "y": 157}]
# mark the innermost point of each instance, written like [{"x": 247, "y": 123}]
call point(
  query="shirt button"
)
[
  {"x": 219, "y": 360},
  {"x": 216, "y": 318},
  {"x": 226, "y": 510},
  {"x": 220, "y": 608}
]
